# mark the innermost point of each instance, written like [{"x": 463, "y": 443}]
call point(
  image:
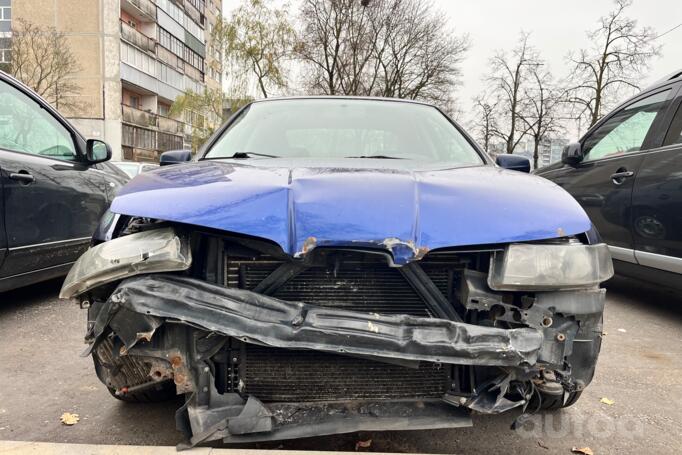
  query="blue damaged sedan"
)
[{"x": 329, "y": 265}]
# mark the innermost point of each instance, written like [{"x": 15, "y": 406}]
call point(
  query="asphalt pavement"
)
[{"x": 639, "y": 374}]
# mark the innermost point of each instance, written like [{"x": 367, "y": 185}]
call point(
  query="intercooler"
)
[{"x": 349, "y": 280}]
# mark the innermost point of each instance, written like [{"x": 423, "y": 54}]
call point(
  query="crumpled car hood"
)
[{"x": 404, "y": 211}]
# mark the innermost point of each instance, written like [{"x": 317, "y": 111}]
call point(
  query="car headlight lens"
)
[
  {"x": 549, "y": 267},
  {"x": 158, "y": 250}
]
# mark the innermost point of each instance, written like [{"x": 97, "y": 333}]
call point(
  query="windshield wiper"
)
[
  {"x": 377, "y": 157},
  {"x": 242, "y": 155}
]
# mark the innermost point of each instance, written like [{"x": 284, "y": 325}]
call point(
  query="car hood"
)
[{"x": 374, "y": 204}]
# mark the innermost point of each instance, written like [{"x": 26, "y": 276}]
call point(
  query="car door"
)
[
  {"x": 613, "y": 152},
  {"x": 657, "y": 200},
  {"x": 3, "y": 235},
  {"x": 52, "y": 198}
]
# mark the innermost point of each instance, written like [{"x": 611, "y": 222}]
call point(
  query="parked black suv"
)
[
  {"x": 626, "y": 172},
  {"x": 54, "y": 187}
]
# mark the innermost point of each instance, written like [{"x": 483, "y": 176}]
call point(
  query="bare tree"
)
[
  {"x": 618, "y": 59},
  {"x": 337, "y": 41},
  {"x": 484, "y": 120},
  {"x": 392, "y": 48},
  {"x": 257, "y": 41},
  {"x": 42, "y": 59},
  {"x": 508, "y": 82},
  {"x": 422, "y": 55},
  {"x": 541, "y": 113}
]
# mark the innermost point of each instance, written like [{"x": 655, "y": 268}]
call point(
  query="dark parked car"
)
[
  {"x": 132, "y": 168},
  {"x": 54, "y": 188},
  {"x": 626, "y": 172},
  {"x": 341, "y": 264}
]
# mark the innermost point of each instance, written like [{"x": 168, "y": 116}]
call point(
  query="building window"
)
[
  {"x": 5, "y": 16},
  {"x": 164, "y": 109},
  {"x": 138, "y": 137},
  {"x": 5, "y": 50},
  {"x": 178, "y": 48},
  {"x": 169, "y": 142}
]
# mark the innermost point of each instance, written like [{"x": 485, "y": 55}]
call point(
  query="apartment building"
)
[{"x": 136, "y": 57}]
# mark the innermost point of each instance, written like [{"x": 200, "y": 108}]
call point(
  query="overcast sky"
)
[{"x": 556, "y": 27}]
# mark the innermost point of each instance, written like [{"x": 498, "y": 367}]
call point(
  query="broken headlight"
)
[
  {"x": 549, "y": 267},
  {"x": 158, "y": 250}
]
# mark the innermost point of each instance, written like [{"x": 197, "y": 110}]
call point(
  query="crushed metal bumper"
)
[{"x": 139, "y": 304}]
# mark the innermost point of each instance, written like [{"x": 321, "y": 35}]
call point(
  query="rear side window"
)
[
  {"x": 674, "y": 135},
  {"x": 625, "y": 131}
]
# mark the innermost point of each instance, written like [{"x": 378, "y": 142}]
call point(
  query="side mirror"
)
[
  {"x": 97, "y": 151},
  {"x": 513, "y": 162},
  {"x": 175, "y": 157},
  {"x": 572, "y": 154}
]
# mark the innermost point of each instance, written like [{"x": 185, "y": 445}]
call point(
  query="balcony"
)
[
  {"x": 136, "y": 38},
  {"x": 170, "y": 59},
  {"x": 170, "y": 125},
  {"x": 144, "y": 10},
  {"x": 151, "y": 120},
  {"x": 138, "y": 117}
]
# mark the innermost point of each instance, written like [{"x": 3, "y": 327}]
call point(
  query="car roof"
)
[
  {"x": 672, "y": 77},
  {"x": 343, "y": 97}
]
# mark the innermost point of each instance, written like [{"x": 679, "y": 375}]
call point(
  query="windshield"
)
[{"x": 344, "y": 128}]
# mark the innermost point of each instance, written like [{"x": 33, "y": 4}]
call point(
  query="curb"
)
[{"x": 52, "y": 448}]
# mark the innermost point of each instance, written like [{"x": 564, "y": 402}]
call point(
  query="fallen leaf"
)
[
  {"x": 582, "y": 450},
  {"x": 607, "y": 401},
  {"x": 69, "y": 419},
  {"x": 363, "y": 444}
]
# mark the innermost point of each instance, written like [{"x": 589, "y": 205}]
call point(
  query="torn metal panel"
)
[
  {"x": 260, "y": 319},
  {"x": 233, "y": 419},
  {"x": 581, "y": 302},
  {"x": 475, "y": 294}
]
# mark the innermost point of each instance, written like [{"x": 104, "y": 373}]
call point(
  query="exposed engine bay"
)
[{"x": 267, "y": 346}]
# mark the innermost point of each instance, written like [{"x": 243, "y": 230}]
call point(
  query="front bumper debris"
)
[
  {"x": 233, "y": 419},
  {"x": 141, "y": 304},
  {"x": 169, "y": 327},
  {"x": 155, "y": 328}
]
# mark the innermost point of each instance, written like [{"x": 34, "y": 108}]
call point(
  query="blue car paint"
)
[{"x": 376, "y": 204}]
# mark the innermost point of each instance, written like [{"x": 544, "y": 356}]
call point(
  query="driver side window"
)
[
  {"x": 626, "y": 131},
  {"x": 26, "y": 127}
]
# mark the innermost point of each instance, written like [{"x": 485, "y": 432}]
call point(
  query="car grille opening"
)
[{"x": 358, "y": 282}]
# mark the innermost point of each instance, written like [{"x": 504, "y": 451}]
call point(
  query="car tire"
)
[
  {"x": 551, "y": 402},
  {"x": 162, "y": 391}
]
